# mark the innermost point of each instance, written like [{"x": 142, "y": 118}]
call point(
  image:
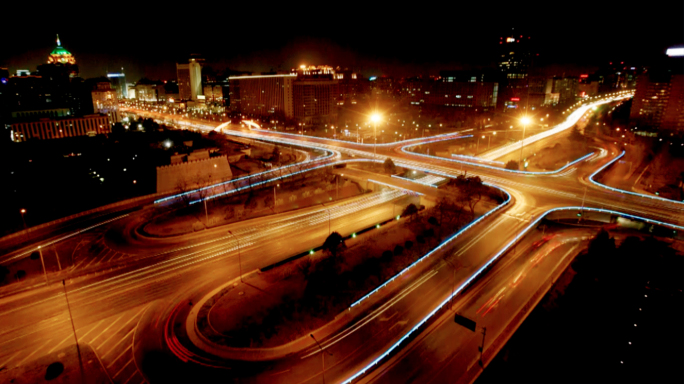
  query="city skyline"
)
[{"x": 429, "y": 42}]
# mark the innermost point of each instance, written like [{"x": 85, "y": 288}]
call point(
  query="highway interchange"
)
[{"x": 403, "y": 332}]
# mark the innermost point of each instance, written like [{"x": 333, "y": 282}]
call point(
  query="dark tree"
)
[
  {"x": 512, "y": 164},
  {"x": 389, "y": 166},
  {"x": 334, "y": 244},
  {"x": 410, "y": 211}
]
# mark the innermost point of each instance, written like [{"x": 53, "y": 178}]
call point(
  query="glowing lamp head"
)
[
  {"x": 525, "y": 120},
  {"x": 375, "y": 117}
]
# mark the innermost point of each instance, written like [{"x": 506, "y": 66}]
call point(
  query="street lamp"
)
[
  {"x": 274, "y": 196},
  {"x": 323, "y": 352},
  {"x": 375, "y": 118},
  {"x": 524, "y": 120},
  {"x": 22, "y": 217},
  {"x": 239, "y": 256}
]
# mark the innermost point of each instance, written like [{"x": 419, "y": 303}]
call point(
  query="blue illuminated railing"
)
[
  {"x": 484, "y": 267},
  {"x": 591, "y": 179},
  {"x": 405, "y": 150},
  {"x": 440, "y": 246},
  {"x": 364, "y": 144}
]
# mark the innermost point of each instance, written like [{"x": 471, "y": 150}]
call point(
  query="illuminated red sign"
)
[
  {"x": 584, "y": 76},
  {"x": 515, "y": 99}
]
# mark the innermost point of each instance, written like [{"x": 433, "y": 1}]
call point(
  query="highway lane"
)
[
  {"x": 43, "y": 317},
  {"x": 447, "y": 352},
  {"x": 537, "y": 188}
]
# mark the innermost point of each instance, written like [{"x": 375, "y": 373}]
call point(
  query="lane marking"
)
[
  {"x": 106, "y": 329},
  {"x": 33, "y": 353}
]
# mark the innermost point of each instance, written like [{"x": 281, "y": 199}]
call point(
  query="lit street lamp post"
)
[
  {"x": 22, "y": 217},
  {"x": 323, "y": 352},
  {"x": 40, "y": 252},
  {"x": 525, "y": 120},
  {"x": 375, "y": 118},
  {"x": 239, "y": 256}
]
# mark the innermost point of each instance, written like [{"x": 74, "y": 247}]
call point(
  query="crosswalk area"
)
[{"x": 111, "y": 339}]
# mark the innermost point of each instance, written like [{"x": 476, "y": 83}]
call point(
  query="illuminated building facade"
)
[
  {"x": 45, "y": 129},
  {"x": 262, "y": 95},
  {"x": 514, "y": 63},
  {"x": 659, "y": 102},
  {"x": 460, "y": 94},
  {"x": 315, "y": 93},
  {"x": 351, "y": 86},
  {"x": 118, "y": 81},
  {"x": 195, "y": 72},
  {"x": 105, "y": 101},
  {"x": 59, "y": 55},
  {"x": 566, "y": 88}
]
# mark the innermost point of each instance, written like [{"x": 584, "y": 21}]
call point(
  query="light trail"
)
[
  {"x": 557, "y": 171},
  {"x": 591, "y": 179},
  {"x": 483, "y": 268},
  {"x": 568, "y": 123}
]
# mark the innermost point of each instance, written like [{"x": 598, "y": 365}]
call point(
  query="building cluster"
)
[
  {"x": 54, "y": 102},
  {"x": 308, "y": 94}
]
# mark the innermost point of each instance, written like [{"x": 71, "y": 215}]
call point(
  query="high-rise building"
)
[
  {"x": 515, "y": 59},
  {"x": 541, "y": 91},
  {"x": 195, "y": 69},
  {"x": 315, "y": 94},
  {"x": 658, "y": 102},
  {"x": 566, "y": 88},
  {"x": 184, "y": 88},
  {"x": 262, "y": 95},
  {"x": 118, "y": 81}
]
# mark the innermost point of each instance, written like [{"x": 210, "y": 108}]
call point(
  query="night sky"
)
[{"x": 410, "y": 39}]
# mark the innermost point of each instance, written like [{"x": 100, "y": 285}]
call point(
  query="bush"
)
[
  {"x": 35, "y": 256},
  {"x": 387, "y": 256},
  {"x": 408, "y": 244},
  {"x": 429, "y": 232},
  {"x": 512, "y": 164},
  {"x": 20, "y": 274},
  {"x": 420, "y": 239},
  {"x": 433, "y": 221},
  {"x": 398, "y": 250}
]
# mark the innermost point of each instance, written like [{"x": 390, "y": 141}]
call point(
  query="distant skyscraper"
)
[
  {"x": 514, "y": 62},
  {"x": 183, "y": 73},
  {"x": 195, "y": 69},
  {"x": 118, "y": 81}
]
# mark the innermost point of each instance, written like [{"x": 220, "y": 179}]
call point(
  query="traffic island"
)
[{"x": 271, "y": 314}]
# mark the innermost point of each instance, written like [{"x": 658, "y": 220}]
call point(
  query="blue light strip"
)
[
  {"x": 444, "y": 243},
  {"x": 477, "y": 158},
  {"x": 395, "y": 187},
  {"x": 414, "y": 181},
  {"x": 591, "y": 179},
  {"x": 404, "y": 149},
  {"x": 292, "y": 174},
  {"x": 479, "y": 271},
  {"x": 326, "y": 157}
]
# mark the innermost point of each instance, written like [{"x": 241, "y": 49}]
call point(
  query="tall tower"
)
[
  {"x": 59, "y": 55},
  {"x": 514, "y": 62}
]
